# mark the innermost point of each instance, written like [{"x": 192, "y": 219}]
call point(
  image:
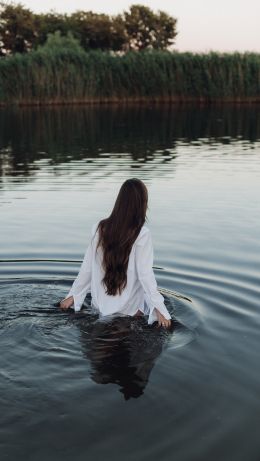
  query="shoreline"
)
[{"x": 134, "y": 101}]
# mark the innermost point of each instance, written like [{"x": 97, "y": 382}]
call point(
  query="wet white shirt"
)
[{"x": 141, "y": 291}]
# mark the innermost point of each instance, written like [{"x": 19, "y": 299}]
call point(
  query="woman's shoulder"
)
[
  {"x": 143, "y": 234},
  {"x": 94, "y": 228},
  {"x": 144, "y": 229}
]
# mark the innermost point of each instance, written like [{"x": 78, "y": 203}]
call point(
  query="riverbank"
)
[
  {"x": 133, "y": 102},
  {"x": 73, "y": 76}
]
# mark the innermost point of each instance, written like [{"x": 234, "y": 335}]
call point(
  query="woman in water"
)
[{"x": 118, "y": 264}]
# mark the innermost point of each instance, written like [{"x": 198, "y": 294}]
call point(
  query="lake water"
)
[{"x": 74, "y": 386}]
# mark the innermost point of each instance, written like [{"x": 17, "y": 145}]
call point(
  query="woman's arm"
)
[
  {"x": 144, "y": 262},
  {"x": 82, "y": 284}
]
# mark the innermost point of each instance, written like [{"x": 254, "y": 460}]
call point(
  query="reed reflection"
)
[{"x": 62, "y": 134}]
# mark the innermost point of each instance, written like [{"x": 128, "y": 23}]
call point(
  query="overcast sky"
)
[{"x": 203, "y": 25}]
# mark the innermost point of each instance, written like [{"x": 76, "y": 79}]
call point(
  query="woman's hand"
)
[
  {"x": 66, "y": 303},
  {"x": 162, "y": 321}
]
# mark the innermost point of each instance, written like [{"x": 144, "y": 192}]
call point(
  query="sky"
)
[{"x": 203, "y": 25}]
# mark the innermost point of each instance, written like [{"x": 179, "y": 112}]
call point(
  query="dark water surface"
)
[{"x": 74, "y": 386}]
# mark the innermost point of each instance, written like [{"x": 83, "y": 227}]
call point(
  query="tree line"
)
[{"x": 139, "y": 28}]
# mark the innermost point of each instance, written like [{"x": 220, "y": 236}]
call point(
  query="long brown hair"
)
[{"x": 118, "y": 232}]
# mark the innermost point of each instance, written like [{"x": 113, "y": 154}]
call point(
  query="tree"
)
[
  {"x": 165, "y": 30},
  {"x": 145, "y": 29},
  {"x": 97, "y": 31},
  {"x": 140, "y": 28},
  {"x": 17, "y": 28},
  {"x": 49, "y": 23}
]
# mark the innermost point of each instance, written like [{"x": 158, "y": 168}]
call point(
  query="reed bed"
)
[{"x": 49, "y": 76}]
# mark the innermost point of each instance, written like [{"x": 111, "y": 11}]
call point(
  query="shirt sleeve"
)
[
  {"x": 82, "y": 284},
  {"x": 144, "y": 263}
]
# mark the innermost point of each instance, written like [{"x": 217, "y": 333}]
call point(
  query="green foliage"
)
[
  {"x": 17, "y": 28},
  {"x": 21, "y": 30},
  {"x": 49, "y": 23},
  {"x": 61, "y": 71},
  {"x": 57, "y": 42},
  {"x": 98, "y": 31},
  {"x": 146, "y": 29}
]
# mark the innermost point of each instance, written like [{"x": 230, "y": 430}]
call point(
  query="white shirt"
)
[{"x": 141, "y": 290}]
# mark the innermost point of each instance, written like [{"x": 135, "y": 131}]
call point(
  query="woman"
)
[{"x": 118, "y": 264}]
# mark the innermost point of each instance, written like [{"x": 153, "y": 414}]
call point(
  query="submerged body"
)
[{"x": 141, "y": 292}]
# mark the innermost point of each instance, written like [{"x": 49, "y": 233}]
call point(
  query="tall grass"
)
[{"x": 73, "y": 75}]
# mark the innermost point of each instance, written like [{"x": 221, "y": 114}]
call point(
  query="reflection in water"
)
[
  {"x": 81, "y": 132},
  {"x": 122, "y": 350}
]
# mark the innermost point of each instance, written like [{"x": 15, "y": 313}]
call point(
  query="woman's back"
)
[
  {"x": 140, "y": 293},
  {"x": 118, "y": 264},
  {"x": 131, "y": 298}
]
